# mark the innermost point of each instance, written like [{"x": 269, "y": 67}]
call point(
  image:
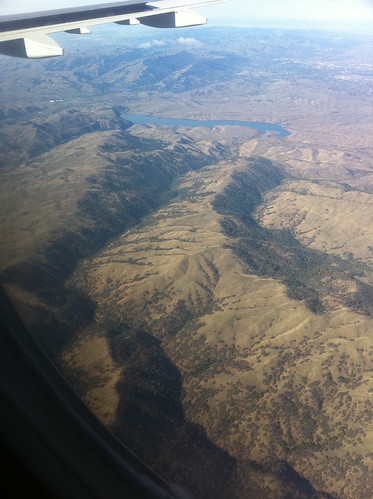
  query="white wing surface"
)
[{"x": 27, "y": 35}]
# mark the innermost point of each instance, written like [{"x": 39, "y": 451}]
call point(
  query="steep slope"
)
[
  {"x": 207, "y": 330},
  {"x": 69, "y": 195},
  {"x": 266, "y": 378},
  {"x": 325, "y": 216}
]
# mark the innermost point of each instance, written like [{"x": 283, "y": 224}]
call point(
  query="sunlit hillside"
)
[{"x": 207, "y": 291}]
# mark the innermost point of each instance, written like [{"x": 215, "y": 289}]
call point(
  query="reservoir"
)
[{"x": 175, "y": 123}]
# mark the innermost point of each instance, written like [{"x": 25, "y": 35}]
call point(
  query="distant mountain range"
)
[{"x": 207, "y": 292}]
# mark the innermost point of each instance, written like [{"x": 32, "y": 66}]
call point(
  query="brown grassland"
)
[{"x": 208, "y": 292}]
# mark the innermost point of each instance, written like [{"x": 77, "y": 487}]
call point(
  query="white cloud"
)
[
  {"x": 190, "y": 42},
  {"x": 153, "y": 43},
  {"x": 146, "y": 45}
]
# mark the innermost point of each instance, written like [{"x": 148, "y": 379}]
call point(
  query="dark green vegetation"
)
[
  {"x": 362, "y": 301},
  {"x": 135, "y": 178},
  {"x": 151, "y": 422},
  {"x": 151, "y": 419},
  {"x": 74, "y": 178},
  {"x": 150, "y": 416},
  {"x": 276, "y": 253}
]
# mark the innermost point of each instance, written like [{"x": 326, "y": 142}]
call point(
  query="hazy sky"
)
[{"x": 244, "y": 10}]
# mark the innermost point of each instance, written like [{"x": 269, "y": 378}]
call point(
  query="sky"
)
[{"x": 240, "y": 11}]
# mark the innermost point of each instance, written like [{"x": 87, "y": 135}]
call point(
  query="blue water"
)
[{"x": 175, "y": 123}]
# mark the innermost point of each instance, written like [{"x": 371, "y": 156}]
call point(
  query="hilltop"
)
[{"x": 208, "y": 293}]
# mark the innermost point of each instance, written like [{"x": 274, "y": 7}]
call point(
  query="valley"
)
[{"x": 207, "y": 291}]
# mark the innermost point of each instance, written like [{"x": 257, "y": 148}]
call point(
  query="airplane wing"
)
[{"x": 26, "y": 35}]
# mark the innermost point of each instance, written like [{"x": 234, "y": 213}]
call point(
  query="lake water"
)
[{"x": 175, "y": 123}]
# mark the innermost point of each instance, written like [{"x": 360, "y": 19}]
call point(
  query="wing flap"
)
[
  {"x": 83, "y": 30},
  {"x": 25, "y": 35},
  {"x": 174, "y": 20},
  {"x": 32, "y": 46}
]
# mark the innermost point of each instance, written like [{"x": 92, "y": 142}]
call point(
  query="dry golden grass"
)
[
  {"x": 91, "y": 356},
  {"x": 326, "y": 217},
  {"x": 253, "y": 345},
  {"x": 39, "y": 201},
  {"x": 263, "y": 375}
]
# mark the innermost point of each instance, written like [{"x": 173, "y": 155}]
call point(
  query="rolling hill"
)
[{"x": 207, "y": 292}]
